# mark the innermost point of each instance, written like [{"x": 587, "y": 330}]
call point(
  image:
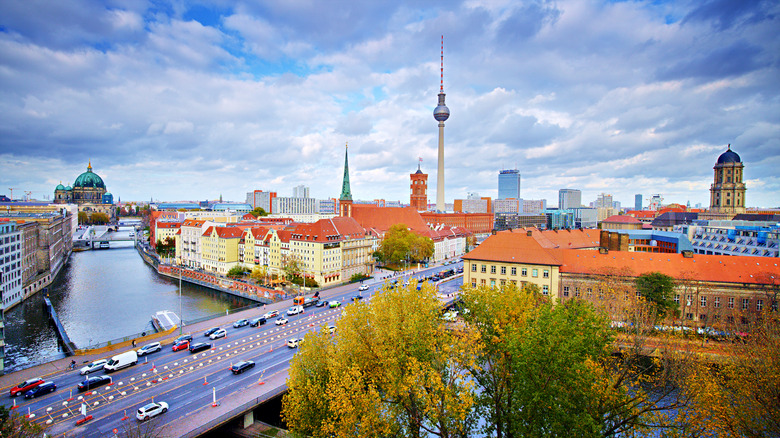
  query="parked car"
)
[
  {"x": 294, "y": 310},
  {"x": 240, "y": 323},
  {"x": 94, "y": 382},
  {"x": 281, "y": 321},
  {"x": 199, "y": 346},
  {"x": 149, "y": 348},
  {"x": 181, "y": 345},
  {"x": 271, "y": 314},
  {"x": 151, "y": 410},
  {"x": 242, "y": 366},
  {"x": 92, "y": 367},
  {"x": 363, "y": 287},
  {"x": 187, "y": 337},
  {"x": 25, "y": 386},
  {"x": 221, "y": 333},
  {"x": 210, "y": 331},
  {"x": 257, "y": 322},
  {"x": 43, "y": 388},
  {"x": 333, "y": 304}
]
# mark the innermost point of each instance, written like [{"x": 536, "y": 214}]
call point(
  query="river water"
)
[{"x": 103, "y": 295}]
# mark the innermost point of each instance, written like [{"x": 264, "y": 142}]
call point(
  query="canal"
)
[{"x": 102, "y": 295}]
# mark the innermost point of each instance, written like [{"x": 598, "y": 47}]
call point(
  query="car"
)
[
  {"x": 271, "y": 314},
  {"x": 240, "y": 323},
  {"x": 187, "y": 337},
  {"x": 25, "y": 386},
  {"x": 459, "y": 270},
  {"x": 221, "y": 333},
  {"x": 363, "y": 287},
  {"x": 257, "y": 322},
  {"x": 294, "y": 310},
  {"x": 292, "y": 343},
  {"x": 149, "y": 348},
  {"x": 281, "y": 321},
  {"x": 333, "y": 304},
  {"x": 151, "y": 410},
  {"x": 332, "y": 329},
  {"x": 242, "y": 366},
  {"x": 210, "y": 331},
  {"x": 92, "y": 367},
  {"x": 357, "y": 297},
  {"x": 43, "y": 388},
  {"x": 320, "y": 303},
  {"x": 94, "y": 382},
  {"x": 199, "y": 346},
  {"x": 181, "y": 345}
]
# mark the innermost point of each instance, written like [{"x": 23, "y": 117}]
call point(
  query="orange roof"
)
[
  {"x": 642, "y": 213},
  {"x": 619, "y": 219},
  {"x": 224, "y": 232},
  {"x": 712, "y": 268},
  {"x": 168, "y": 225},
  {"x": 193, "y": 223},
  {"x": 567, "y": 239},
  {"x": 511, "y": 247},
  {"x": 325, "y": 230},
  {"x": 382, "y": 218}
]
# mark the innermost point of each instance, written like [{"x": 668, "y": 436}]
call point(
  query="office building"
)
[
  {"x": 509, "y": 184},
  {"x": 300, "y": 191},
  {"x": 637, "y": 202},
  {"x": 569, "y": 198},
  {"x": 261, "y": 199}
]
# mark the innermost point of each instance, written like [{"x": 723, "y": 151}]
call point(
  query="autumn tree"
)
[
  {"x": 98, "y": 218},
  {"x": 83, "y": 218},
  {"x": 259, "y": 274},
  {"x": 393, "y": 370},
  {"x": 13, "y": 425},
  {"x": 400, "y": 244}
]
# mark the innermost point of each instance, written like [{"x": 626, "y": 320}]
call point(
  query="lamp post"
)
[{"x": 181, "y": 317}]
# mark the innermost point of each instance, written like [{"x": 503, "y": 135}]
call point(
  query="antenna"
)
[{"x": 441, "y": 86}]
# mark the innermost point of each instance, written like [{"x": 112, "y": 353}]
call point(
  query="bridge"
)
[
  {"x": 199, "y": 388},
  {"x": 101, "y": 233}
]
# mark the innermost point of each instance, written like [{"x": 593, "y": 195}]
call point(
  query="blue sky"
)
[{"x": 193, "y": 100}]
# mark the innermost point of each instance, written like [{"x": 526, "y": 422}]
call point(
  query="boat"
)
[
  {"x": 104, "y": 245},
  {"x": 164, "y": 320}
]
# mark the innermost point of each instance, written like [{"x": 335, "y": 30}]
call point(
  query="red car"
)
[
  {"x": 25, "y": 386},
  {"x": 181, "y": 345}
]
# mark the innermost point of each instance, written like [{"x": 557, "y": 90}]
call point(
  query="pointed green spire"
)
[{"x": 346, "y": 193}]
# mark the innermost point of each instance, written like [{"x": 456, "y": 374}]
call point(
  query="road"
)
[{"x": 189, "y": 382}]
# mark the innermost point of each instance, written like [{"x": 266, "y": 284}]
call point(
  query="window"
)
[
  {"x": 759, "y": 305},
  {"x": 677, "y": 299},
  {"x": 483, "y": 282},
  {"x": 717, "y": 302},
  {"x": 503, "y": 270},
  {"x": 514, "y": 271},
  {"x": 474, "y": 267},
  {"x": 745, "y": 303},
  {"x": 731, "y": 302},
  {"x": 473, "y": 282},
  {"x": 484, "y": 268},
  {"x": 590, "y": 292},
  {"x": 524, "y": 272},
  {"x": 689, "y": 300},
  {"x": 492, "y": 282},
  {"x": 492, "y": 269},
  {"x": 566, "y": 291},
  {"x": 703, "y": 302},
  {"x": 702, "y": 317},
  {"x": 546, "y": 273},
  {"x": 689, "y": 316},
  {"x": 576, "y": 291},
  {"x": 534, "y": 273},
  {"x": 545, "y": 290}
]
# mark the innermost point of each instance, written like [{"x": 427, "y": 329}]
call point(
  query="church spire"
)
[{"x": 346, "y": 193}]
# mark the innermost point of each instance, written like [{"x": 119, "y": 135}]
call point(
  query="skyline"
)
[{"x": 177, "y": 102}]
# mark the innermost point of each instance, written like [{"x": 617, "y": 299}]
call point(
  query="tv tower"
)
[{"x": 441, "y": 113}]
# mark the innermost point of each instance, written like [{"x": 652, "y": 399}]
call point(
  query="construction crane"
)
[
  {"x": 27, "y": 195},
  {"x": 12, "y": 191}
]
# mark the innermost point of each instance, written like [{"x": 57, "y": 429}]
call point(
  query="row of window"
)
[
  {"x": 716, "y": 302},
  {"x": 503, "y": 282},
  {"x": 513, "y": 270}
]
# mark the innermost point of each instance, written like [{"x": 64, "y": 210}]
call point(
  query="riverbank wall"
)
[{"x": 70, "y": 347}]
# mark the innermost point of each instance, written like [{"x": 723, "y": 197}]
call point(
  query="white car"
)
[
  {"x": 281, "y": 321},
  {"x": 151, "y": 410},
  {"x": 271, "y": 314},
  {"x": 293, "y": 343},
  {"x": 149, "y": 348},
  {"x": 221, "y": 333},
  {"x": 294, "y": 310},
  {"x": 363, "y": 287},
  {"x": 94, "y": 366}
]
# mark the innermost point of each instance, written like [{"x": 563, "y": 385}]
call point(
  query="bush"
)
[{"x": 358, "y": 277}]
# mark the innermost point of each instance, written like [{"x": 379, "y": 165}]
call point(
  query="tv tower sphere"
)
[{"x": 441, "y": 112}]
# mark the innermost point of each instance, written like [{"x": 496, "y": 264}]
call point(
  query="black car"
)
[
  {"x": 256, "y": 322},
  {"x": 199, "y": 346},
  {"x": 183, "y": 338},
  {"x": 357, "y": 297},
  {"x": 208, "y": 332},
  {"x": 94, "y": 382},
  {"x": 320, "y": 303},
  {"x": 43, "y": 388},
  {"x": 240, "y": 367}
]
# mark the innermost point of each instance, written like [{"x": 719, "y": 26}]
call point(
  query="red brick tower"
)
[{"x": 418, "y": 190}]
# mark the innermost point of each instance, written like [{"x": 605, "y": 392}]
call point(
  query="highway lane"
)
[{"x": 178, "y": 377}]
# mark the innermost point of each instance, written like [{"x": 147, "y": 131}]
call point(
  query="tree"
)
[
  {"x": 237, "y": 271},
  {"x": 167, "y": 247},
  {"x": 259, "y": 274},
  {"x": 83, "y": 218},
  {"x": 291, "y": 268},
  {"x": 657, "y": 289},
  {"x": 147, "y": 429},
  {"x": 98, "y": 218},
  {"x": 394, "y": 370},
  {"x": 400, "y": 244},
  {"x": 258, "y": 211},
  {"x": 13, "y": 425}
]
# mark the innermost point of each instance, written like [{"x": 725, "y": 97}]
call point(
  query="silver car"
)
[{"x": 94, "y": 366}]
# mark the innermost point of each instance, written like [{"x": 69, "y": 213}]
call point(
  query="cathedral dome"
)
[
  {"x": 89, "y": 179},
  {"x": 60, "y": 187},
  {"x": 729, "y": 157}
]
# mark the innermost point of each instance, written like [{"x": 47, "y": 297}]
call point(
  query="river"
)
[{"x": 102, "y": 295}]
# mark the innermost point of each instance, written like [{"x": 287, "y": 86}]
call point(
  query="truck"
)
[
  {"x": 300, "y": 300},
  {"x": 126, "y": 359}
]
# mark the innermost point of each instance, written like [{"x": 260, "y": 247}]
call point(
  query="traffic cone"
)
[{"x": 204, "y": 381}]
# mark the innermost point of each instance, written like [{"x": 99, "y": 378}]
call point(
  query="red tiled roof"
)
[
  {"x": 713, "y": 268},
  {"x": 566, "y": 239},
  {"x": 224, "y": 232},
  {"x": 193, "y": 223},
  {"x": 382, "y": 218},
  {"x": 321, "y": 230},
  {"x": 511, "y": 247},
  {"x": 168, "y": 225},
  {"x": 619, "y": 219}
]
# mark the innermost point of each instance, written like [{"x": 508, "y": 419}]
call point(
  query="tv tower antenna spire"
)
[
  {"x": 441, "y": 113},
  {"x": 441, "y": 84}
]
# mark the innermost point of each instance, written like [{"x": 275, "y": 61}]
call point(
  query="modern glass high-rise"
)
[
  {"x": 509, "y": 184},
  {"x": 569, "y": 198},
  {"x": 637, "y": 202}
]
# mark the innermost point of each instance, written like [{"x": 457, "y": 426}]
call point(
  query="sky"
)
[{"x": 193, "y": 100}]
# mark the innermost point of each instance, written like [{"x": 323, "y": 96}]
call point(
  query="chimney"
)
[
  {"x": 603, "y": 250},
  {"x": 687, "y": 254},
  {"x": 529, "y": 233}
]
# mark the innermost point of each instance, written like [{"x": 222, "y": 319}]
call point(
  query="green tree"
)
[
  {"x": 400, "y": 244},
  {"x": 291, "y": 268},
  {"x": 167, "y": 247},
  {"x": 658, "y": 290},
  {"x": 13, "y": 425},
  {"x": 258, "y": 211},
  {"x": 393, "y": 370},
  {"x": 237, "y": 271}
]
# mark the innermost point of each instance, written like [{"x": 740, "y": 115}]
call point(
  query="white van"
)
[{"x": 120, "y": 361}]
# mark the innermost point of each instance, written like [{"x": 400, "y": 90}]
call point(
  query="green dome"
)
[
  {"x": 60, "y": 187},
  {"x": 69, "y": 188},
  {"x": 89, "y": 179}
]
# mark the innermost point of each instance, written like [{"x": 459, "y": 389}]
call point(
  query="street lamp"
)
[{"x": 181, "y": 317}]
